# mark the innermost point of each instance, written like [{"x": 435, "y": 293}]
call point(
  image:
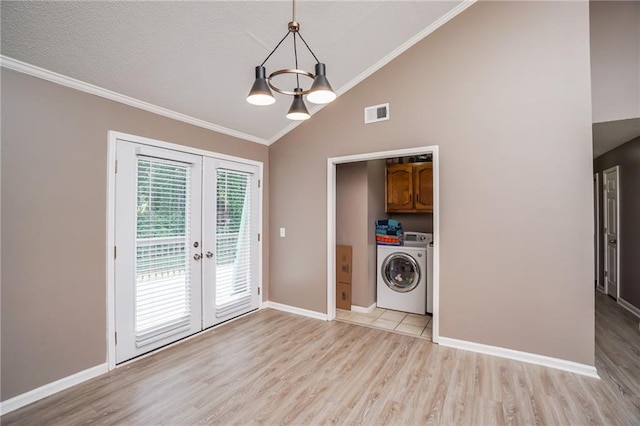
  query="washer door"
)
[{"x": 400, "y": 272}]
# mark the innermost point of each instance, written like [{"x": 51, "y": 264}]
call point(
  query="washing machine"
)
[{"x": 403, "y": 274}]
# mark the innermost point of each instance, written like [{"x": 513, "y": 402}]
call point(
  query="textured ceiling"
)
[{"x": 198, "y": 58}]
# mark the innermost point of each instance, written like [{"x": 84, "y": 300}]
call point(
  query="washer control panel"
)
[{"x": 417, "y": 239}]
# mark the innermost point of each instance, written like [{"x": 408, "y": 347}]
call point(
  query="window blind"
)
[
  {"x": 233, "y": 241},
  {"x": 163, "y": 282}
]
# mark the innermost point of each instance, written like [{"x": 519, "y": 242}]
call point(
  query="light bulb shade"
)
[
  {"x": 321, "y": 91},
  {"x": 260, "y": 93},
  {"x": 298, "y": 110}
]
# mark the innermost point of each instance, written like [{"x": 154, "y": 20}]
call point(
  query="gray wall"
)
[
  {"x": 626, "y": 156},
  {"x": 359, "y": 202},
  {"x": 376, "y": 181},
  {"x": 615, "y": 59},
  {"x": 54, "y": 182},
  {"x": 495, "y": 88},
  {"x": 351, "y": 225}
]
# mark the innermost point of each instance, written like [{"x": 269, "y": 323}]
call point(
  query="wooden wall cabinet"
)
[{"x": 409, "y": 188}]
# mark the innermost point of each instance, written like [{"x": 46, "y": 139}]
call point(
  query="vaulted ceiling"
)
[
  {"x": 610, "y": 135},
  {"x": 195, "y": 60}
]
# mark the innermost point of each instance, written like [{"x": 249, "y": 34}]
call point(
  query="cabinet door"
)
[
  {"x": 399, "y": 187},
  {"x": 423, "y": 180}
]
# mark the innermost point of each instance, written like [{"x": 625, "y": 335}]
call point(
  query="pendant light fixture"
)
[
  {"x": 298, "y": 110},
  {"x": 320, "y": 91}
]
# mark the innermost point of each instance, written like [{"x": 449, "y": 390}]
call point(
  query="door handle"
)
[
  {"x": 197, "y": 256},
  {"x": 613, "y": 241},
  {"x": 209, "y": 255}
]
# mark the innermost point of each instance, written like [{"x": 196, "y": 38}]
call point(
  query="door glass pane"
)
[
  {"x": 401, "y": 273},
  {"x": 233, "y": 241},
  {"x": 162, "y": 263}
]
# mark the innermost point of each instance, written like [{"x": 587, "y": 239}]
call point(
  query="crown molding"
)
[
  {"x": 63, "y": 80},
  {"x": 384, "y": 61}
]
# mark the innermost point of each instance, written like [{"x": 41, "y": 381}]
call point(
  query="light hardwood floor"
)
[{"x": 273, "y": 368}]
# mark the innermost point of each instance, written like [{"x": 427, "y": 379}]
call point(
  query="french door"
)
[
  {"x": 229, "y": 237},
  {"x": 186, "y": 245}
]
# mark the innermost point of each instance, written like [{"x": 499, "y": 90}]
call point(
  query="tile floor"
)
[{"x": 386, "y": 319}]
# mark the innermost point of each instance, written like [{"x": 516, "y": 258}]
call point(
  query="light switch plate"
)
[{"x": 282, "y": 233}]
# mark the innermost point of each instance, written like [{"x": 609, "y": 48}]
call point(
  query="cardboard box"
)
[
  {"x": 343, "y": 296},
  {"x": 343, "y": 264}
]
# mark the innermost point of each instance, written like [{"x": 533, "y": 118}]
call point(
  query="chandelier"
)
[{"x": 320, "y": 91}]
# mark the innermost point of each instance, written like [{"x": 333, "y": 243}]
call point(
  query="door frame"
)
[
  {"x": 597, "y": 198},
  {"x": 112, "y": 138},
  {"x": 615, "y": 169},
  {"x": 332, "y": 162}
]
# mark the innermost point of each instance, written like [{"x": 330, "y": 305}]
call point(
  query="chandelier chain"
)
[
  {"x": 311, "y": 51},
  {"x": 293, "y": 20},
  {"x": 276, "y": 48}
]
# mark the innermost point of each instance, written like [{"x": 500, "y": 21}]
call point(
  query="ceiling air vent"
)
[{"x": 376, "y": 113}]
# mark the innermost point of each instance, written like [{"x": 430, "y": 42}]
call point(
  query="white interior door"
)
[
  {"x": 158, "y": 230},
  {"x": 230, "y": 240},
  {"x": 611, "y": 230},
  {"x": 596, "y": 234}
]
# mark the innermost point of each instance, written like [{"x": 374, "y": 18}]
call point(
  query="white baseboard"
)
[
  {"x": 629, "y": 307},
  {"x": 295, "y": 310},
  {"x": 362, "y": 309},
  {"x": 51, "y": 388},
  {"x": 545, "y": 361}
]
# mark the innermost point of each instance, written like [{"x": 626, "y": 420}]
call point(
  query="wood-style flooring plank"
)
[{"x": 271, "y": 367}]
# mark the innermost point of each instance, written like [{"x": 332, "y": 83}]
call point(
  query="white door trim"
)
[
  {"x": 615, "y": 169},
  {"x": 112, "y": 138},
  {"x": 331, "y": 223},
  {"x": 598, "y": 188},
  {"x": 110, "y": 250}
]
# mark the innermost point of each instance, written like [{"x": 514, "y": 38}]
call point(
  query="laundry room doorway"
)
[{"x": 333, "y": 172}]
